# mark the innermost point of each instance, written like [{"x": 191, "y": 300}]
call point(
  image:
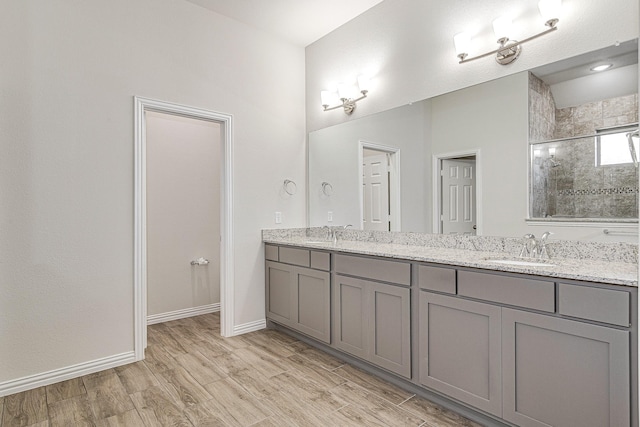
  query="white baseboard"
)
[
  {"x": 63, "y": 374},
  {"x": 249, "y": 327},
  {"x": 181, "y": 314}
]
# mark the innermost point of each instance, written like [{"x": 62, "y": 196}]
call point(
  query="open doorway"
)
[
  {"x": 183, "y": 216},
  {"x": 222, "y": 126},
  {"x": 379, "y": 174},
  {"x": 457, "y": 193}
]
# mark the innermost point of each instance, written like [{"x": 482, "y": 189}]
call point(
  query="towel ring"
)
[
  {"x": 327, "y": 189},
  {"x": 290, "y": 187}
]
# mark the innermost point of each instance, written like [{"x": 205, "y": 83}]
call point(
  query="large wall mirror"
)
[{"x": 525, "y": 153}]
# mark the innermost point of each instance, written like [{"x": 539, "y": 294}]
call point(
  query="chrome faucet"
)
[
  {"x": 329, "y": 234},
  {"x": 542, "y": 246},
  {"x": 337, "y": 232},
  {"x": 535, "y": 248},
  {"x": 529, "y": 247}
]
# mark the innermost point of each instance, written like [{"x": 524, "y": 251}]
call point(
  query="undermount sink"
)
[{"x": 521, "y": 262}]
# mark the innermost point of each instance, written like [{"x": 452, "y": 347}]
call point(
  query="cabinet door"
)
[
  {"x": 312, "y": 294},
  {"x": 280, "y": 297},
  {"x": 389, "y": 328},
  {"x": 460, "y": 353},
  {"x": 350, "y": 301},
  {"x": 558, "y": 372}
]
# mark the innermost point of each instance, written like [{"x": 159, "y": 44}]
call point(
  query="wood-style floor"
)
[{"x": 193, "y": 377}]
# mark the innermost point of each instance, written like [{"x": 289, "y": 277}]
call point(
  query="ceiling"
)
[
  {"x": 300, "y": 22},
  {"x": 619, "y": 55}
]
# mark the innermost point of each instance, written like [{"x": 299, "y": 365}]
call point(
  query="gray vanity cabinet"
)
[
  {"x": 350, "y": 315},
  {"x": 559, "y": 372},
  {"x": 299, "y": 298},
  {"x": 372, "y": 322},
  {"x": 460, "y": 350},
  {"x": 532, "y": 350}
]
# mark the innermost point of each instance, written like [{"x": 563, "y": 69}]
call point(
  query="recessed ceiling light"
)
[{"x": 602, "y": 67}]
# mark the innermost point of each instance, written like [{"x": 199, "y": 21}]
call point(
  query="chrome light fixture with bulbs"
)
[
  {"x": 509, "y": 50},
  {"x": 346, "y": 96}
]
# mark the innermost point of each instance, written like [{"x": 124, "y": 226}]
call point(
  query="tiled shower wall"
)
[
  {"x": 542, "y": 110},
  {"x": 586, "y": 119},
  {"x": 570, "y": 184}
]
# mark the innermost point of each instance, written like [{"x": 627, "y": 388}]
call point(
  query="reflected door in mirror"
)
[
  {"x": 458, "y": 196},
  {"x": 375, "y": 192}
]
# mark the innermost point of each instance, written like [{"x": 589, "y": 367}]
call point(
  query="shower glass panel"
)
[{"x": 593, "y": 177}]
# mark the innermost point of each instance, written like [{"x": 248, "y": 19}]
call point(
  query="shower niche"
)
[{"x": 583, "y": 142}]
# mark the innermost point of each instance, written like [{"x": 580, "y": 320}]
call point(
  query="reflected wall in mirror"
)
[
  {"x": 581, "y": 127},
  {"x": 490, "y": 121},
  {"x": 337, "y": 155}
]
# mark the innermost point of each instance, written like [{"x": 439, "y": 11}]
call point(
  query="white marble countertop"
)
[{"x": 617, "y": 273}]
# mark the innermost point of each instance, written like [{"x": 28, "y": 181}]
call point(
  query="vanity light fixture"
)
[
  {"x": 509, "y": 50},
  {"x": 346, "y": 96}
]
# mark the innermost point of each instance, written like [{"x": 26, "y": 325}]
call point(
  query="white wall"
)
[
  {"x": 407, "y": 47},
  {"x": 333, "y": 157},
  {"x": 67, "y": 83},
  {"x": 183, "y": 212},
  {"x": 466, "y": 120},
  {"x": 493, "y": 117}
]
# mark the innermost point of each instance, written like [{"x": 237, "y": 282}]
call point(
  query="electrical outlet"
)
[
  {"x": 330, "y": 216},
  {"x": 278, "y": 217}
]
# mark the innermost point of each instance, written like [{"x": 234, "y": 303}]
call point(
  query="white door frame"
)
[
  {"x": 140, "y": 214},
  {"x": 394, "y": 185},
  {"x": 437, "y": 187}
]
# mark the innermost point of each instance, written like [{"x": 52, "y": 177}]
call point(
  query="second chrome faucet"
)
[
  {"x": 333, "y": 233},
  {"x": 535, "y": 248}
]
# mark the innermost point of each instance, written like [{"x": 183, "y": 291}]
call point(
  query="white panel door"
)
[
  {"x": 375, "y": 192},
  {"x": 458, "y": 196}
]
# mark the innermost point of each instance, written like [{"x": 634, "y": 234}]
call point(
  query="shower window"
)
[{"x": 616, "y": 148}]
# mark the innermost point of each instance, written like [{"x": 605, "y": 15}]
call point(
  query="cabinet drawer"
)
[
  {"x": 376, "y": 269},
  {"x": 271, "y": 252},
  {"x": 518, "y": 291},
  {"x": 294, "y": 256},
  {"x": 437, "y": 279},
  {"x": 320, "y": 260},
  {"x": 602, "y": 305}
]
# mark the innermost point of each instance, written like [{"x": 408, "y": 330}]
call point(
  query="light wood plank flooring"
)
[{"x": 193, "y": 377}]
